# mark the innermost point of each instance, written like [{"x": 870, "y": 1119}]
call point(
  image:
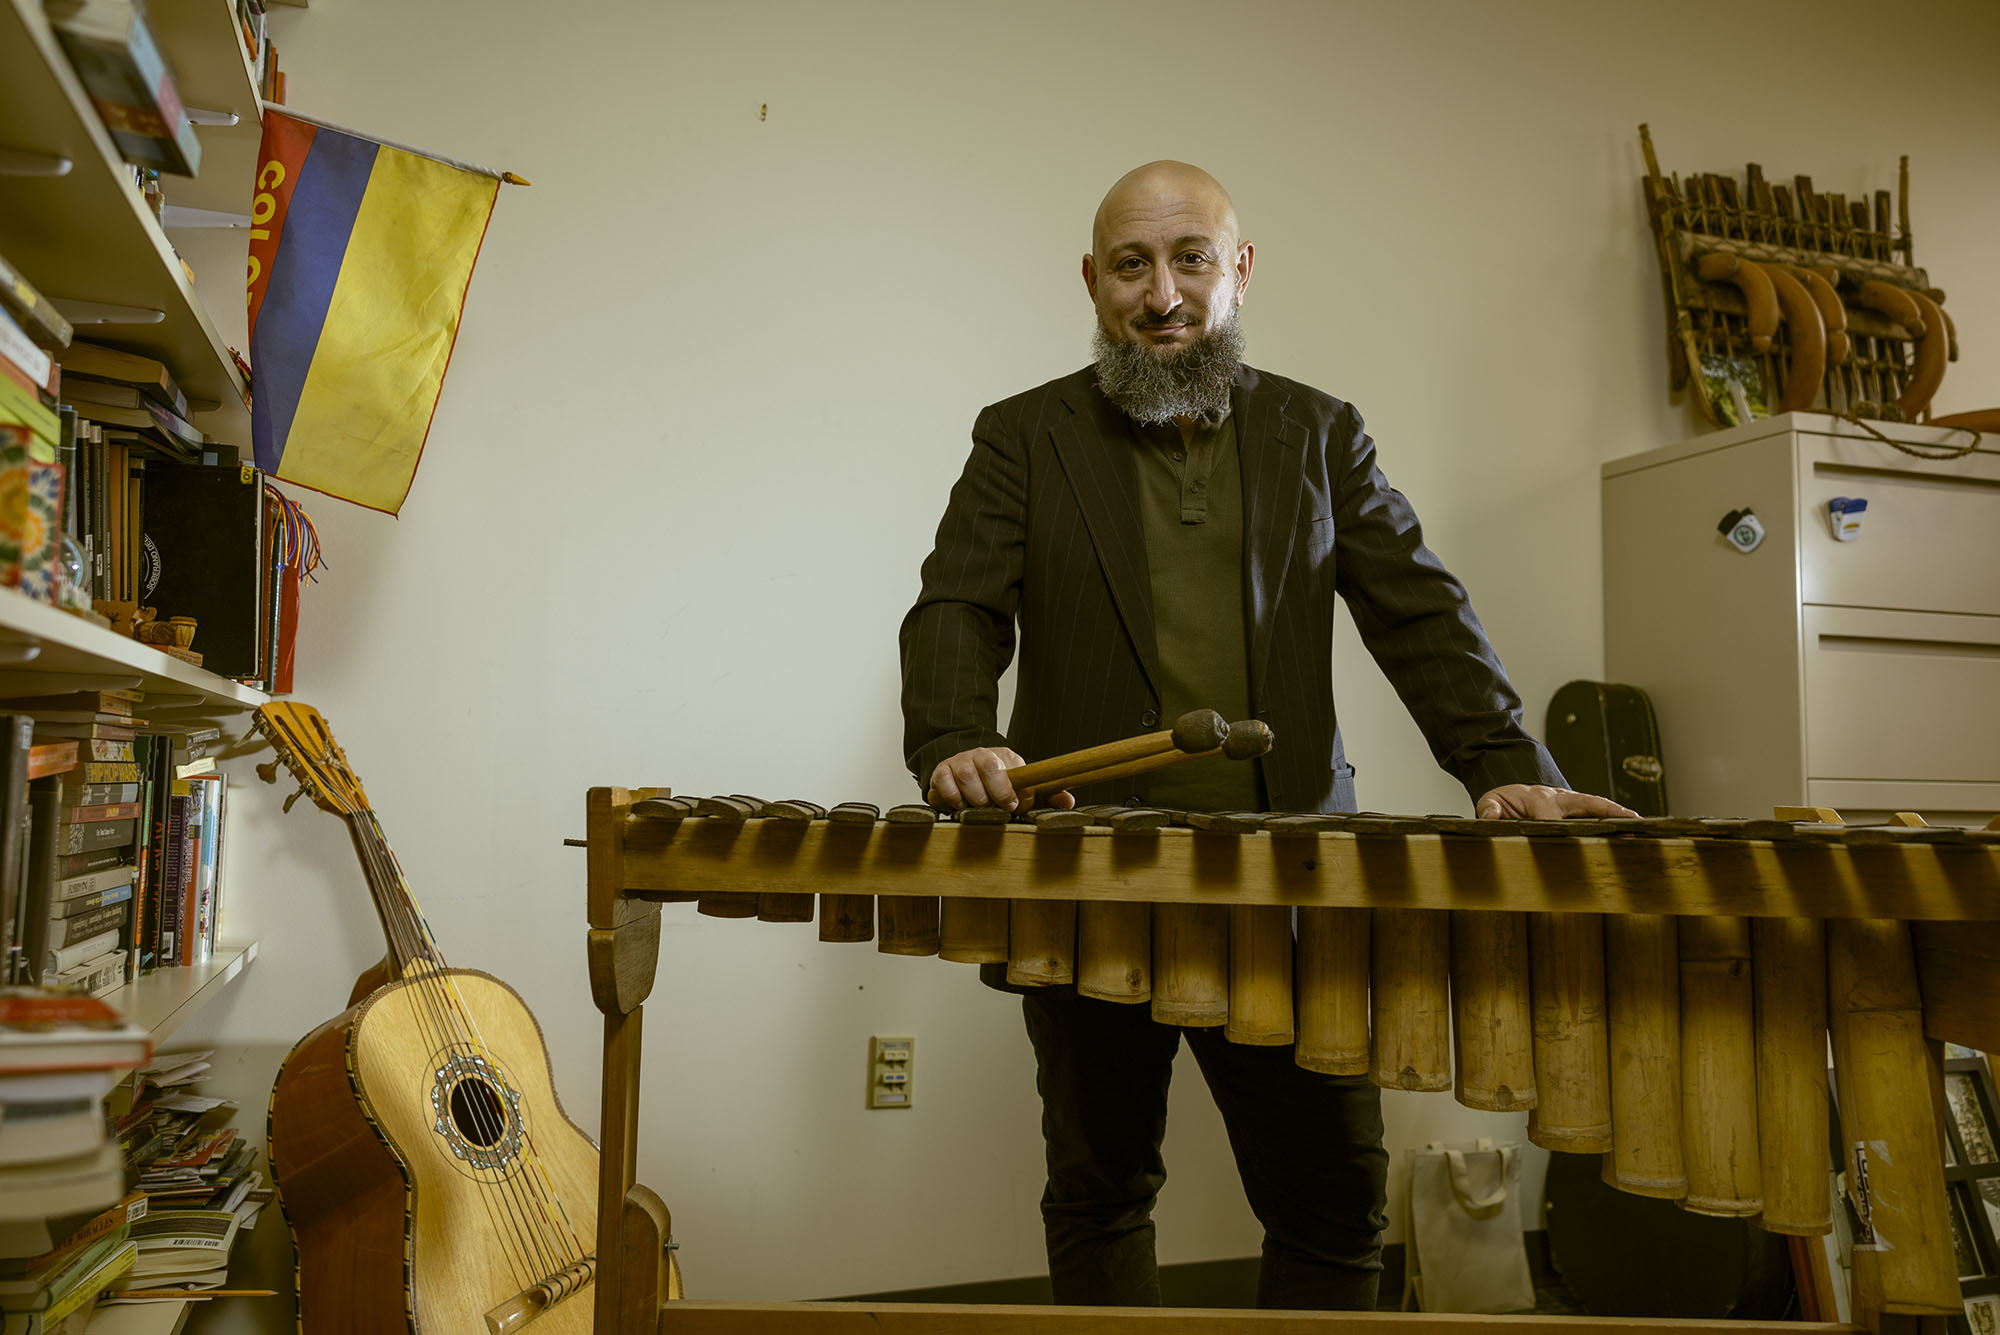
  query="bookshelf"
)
[
  {"x": 166, "y": 999},
  {"x": 87, "y": 234},
  {"x": 39, "y": 638},
  {"x": 76, "y": 227},
  {"x": 214, "y": 73}
]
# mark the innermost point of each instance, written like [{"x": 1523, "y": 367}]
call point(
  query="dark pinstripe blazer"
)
[{"x": 1043, "y": 529}]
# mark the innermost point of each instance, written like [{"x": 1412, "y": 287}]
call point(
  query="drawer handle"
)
[{"x": 1892, "y": 644}]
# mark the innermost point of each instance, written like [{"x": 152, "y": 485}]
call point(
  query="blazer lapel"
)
[
  {"x": 1096, "y": 454},
  {"x": 1271, "y": 449}
]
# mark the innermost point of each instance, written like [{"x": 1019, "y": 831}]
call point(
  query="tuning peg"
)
[
  {"x": 302, "y": 792},
  {"x": 268, "y": 771}
]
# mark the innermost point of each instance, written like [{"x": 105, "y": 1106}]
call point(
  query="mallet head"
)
[
  {"x": 1200, "y": 730},
  {"x": 1247, "y": 740}
]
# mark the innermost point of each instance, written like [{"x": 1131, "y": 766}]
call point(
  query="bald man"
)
[{"x": 1164, "y": 530}]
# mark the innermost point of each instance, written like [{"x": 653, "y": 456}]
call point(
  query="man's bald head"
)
[
  {"x": 1166, "y": 272},
  {"x": 1160, "y": 188}
]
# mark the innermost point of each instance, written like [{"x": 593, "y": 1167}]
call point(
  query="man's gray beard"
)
[{"x": 1192, "y": 381}]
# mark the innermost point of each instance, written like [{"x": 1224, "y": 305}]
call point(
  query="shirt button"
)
[
  {"x": 1134, "y": 801},
  {"x": 1150, "y": 719},
  {"x": 1178, "y": 456},
  {"x": 1195, "y": 486}
]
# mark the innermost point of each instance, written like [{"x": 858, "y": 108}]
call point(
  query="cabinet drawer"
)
[
  {"x": 1931, "y": 538},
  {"x": 1901, "y": 695}
]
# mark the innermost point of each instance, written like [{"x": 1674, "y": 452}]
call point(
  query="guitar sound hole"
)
[{"x": 477, "y": 1114}]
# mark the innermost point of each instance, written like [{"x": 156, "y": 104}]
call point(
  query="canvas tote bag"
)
[{"x": 1464, "y": 1249}]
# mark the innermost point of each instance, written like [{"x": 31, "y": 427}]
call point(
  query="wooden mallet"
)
[
  {"x": 1244, "y": 740},
  {"x": 1197, "y": 732}
]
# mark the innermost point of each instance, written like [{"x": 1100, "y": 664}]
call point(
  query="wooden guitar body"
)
[{"x": 428, "y": 1180}]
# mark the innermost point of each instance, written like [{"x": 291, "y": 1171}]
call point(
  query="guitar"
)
[{"x": 429, "y": 1174}]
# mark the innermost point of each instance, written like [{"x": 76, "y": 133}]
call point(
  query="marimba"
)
[{"x": 1660, "y": 991}]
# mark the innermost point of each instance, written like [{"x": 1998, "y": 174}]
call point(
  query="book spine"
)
[
  {"x": 83, "y": 815},
  {"x": 68, "y": 957},
  {"x": 92, "y": 882},
  {"x": 109, "y": 771},
  {"x": 66, "y": 456},
  {"x": 48, "y": 324},
  {"x": 16, "y": 732},
  {"x": 117, "y": 894},
  {"x": 159, "y": 788},
  {"x": 40, "y": 884},
  {"x": 211, "y": 864},
  {"x": 34, "y": 362},
  {"x": 97, "y": 794},
  {"x": 191, "y": 924},
  {"x": 107, "y": 917},
  {"x": 174, "y": 876},
  {"x": 102, "y": 834},
  {"x": 76, "y": 864}
]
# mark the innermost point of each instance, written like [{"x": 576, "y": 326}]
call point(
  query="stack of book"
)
[
  {"x": 197, "y": 1170},
  {"x": 111, "y": 867},
  {"x": 31, "y": 478},
  {"x": 65, "y": 1215},
  {"x": 111, "y": 46}
]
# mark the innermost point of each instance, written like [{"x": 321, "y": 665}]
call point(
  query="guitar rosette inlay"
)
[{"x": 477, "y": 1112}]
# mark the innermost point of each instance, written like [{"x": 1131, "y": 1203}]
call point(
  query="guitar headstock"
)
[{"x": 305, "y": 744}]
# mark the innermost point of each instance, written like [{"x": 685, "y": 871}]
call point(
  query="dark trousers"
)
[{"x": 1308, "y": 1147}]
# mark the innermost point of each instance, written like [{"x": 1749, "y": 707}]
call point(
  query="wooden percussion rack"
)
[{"x": 1658, "y": 991}]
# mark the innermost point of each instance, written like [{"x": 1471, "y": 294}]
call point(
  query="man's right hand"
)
[{"x": 978, "y": 778}]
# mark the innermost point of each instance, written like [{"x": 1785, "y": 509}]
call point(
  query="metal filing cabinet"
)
[{"x": 1862, "y": 675}]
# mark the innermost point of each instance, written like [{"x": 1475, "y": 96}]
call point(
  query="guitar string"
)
[
  {"x": 533, "y": 1254},
  {"x": 439, "y": 996},
  {"x": 524, "y": 1193},
  {"x": 426, "y": 992},
  {"x": 555, "y": 1213}
]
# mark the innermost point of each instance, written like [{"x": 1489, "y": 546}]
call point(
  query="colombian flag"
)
[{"x": 360, "y": 252}]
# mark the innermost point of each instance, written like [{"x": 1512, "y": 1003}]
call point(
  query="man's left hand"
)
[{"x": 1538, "y": 801}]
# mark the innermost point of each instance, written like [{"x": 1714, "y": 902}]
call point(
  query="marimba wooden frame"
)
[{"x": 1950, "y": 894}]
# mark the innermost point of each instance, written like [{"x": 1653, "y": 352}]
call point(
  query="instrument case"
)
[{"x": 1604, "y": 737}]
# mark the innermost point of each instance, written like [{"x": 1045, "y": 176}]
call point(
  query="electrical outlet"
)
[{"x": 892, "y": 1071}]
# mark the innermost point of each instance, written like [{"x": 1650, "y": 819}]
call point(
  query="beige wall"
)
[{"x": 717, "y": 372}]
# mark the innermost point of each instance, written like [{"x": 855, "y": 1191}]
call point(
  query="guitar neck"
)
[{"x": 403, "y": 928}]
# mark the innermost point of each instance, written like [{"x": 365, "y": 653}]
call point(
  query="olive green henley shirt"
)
[{"x": 1191, "y": 508}]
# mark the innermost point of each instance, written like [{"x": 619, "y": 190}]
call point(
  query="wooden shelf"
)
[
  {"x": 140, "y": 1319},
  {"x": 165, "y": 999},
  {"x": 213, "y": 72},
  {"x": 88, "y": 235},
  {"x": 69, "y": 644}
]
